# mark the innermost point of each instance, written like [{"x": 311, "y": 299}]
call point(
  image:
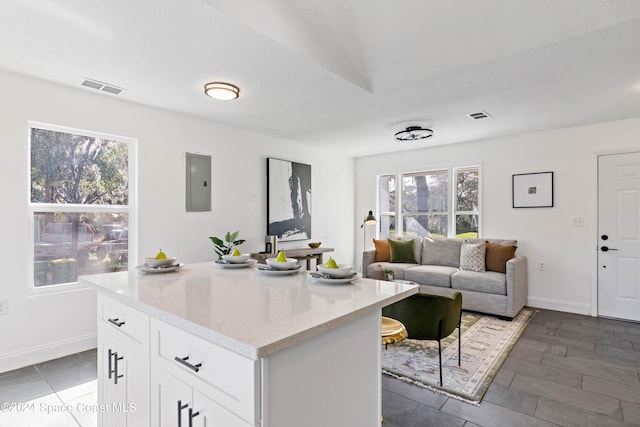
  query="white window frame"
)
[
  {"x": 32, "y": 208},
  {"x": 424, "y": 213},
  {"x": 390, "y": 214},
  {"x": 454, "y": 199},
  {"x": 452, "y": 211}
]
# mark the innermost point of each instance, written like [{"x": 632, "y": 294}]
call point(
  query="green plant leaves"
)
[{"x": 230, "y": 242}]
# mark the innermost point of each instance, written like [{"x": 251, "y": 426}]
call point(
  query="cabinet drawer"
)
[
  {"x": 121, "y": 317},
  {"x": 227, "y": 378}
]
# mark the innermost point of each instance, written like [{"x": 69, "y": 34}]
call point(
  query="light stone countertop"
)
[{"x": 244, "y": 310}]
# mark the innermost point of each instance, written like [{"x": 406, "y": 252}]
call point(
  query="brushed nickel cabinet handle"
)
[
  {"x": 183, "y": 361},
  {"x": 192, "y": 415},
  {"x": 180, "y": 408},
  {"x": 116, "y": 322}
]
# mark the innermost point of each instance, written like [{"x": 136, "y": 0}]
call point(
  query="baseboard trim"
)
[
  {"x": 39, "y": 354},
  {"x": 559, "y": 305}
]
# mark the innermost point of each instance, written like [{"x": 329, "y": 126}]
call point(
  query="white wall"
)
[
  {"x": 544, "y": 234},
  {"x": 41, "y": 327}
]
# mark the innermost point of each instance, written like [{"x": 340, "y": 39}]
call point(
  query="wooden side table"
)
[{"x": 301, "y": 254}]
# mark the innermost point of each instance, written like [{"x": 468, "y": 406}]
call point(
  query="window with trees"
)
[
  {"x": 437, "y": 203},
  {"x": 79, "y": 203}
]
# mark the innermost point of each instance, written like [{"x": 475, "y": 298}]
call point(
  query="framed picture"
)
[
  {"x": 288, "y": 200},
  {"x": 533, "y": 190}
]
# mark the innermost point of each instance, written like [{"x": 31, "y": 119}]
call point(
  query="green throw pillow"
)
[{"x": 401, "y": 251}]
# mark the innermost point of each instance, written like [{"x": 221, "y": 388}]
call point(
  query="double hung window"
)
[{"x": 79, "y": 203}]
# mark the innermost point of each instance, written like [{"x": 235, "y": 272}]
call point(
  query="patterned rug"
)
[{"x": 486, "y": 343}]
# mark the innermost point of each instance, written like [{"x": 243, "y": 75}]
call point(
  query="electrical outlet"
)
[
  {"x": 4, "y": 306},
  {"x": 541, "y": 265},
  {"x": 577, "y": 221}
]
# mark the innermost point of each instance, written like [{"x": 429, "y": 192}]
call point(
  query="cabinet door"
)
[
  {"x": 124, "y": 381},
  {"x": 171, "y": 400},
  {"x": 134, "y": 368},
  {"x": 110, "y": 394},
  {"x": 210, "y": 414}
]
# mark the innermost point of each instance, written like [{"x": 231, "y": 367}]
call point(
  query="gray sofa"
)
[{"x": 438, "y": 272}]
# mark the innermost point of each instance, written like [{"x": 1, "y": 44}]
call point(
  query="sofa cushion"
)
[
  {"x": 382, "y": 250},
  {"x": 503, "y": 242},
  {"x": 398, "y": 269},
  {"x": 472, "y": 256},
  {"x": 402, "y": 251},
  {"x": 497, "y": 257},
  {"x": 435, "y": 275},
  {"x": 417, "y": 247},
  {"x": 489, "y": 282},
  {"x": 441, "y": 252}
]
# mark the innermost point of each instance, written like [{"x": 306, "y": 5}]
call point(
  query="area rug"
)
[{"x": 486, "y": 343}]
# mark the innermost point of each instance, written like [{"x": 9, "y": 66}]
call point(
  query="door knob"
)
[{"x": 607, "y": 249}]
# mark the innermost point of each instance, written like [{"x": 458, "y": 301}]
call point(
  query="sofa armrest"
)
[
  {"x": 368, "y": 257},
  {"x": 517, "y": 284}
]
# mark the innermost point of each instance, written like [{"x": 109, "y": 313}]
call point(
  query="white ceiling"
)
[{"x": 345, "y": 74}]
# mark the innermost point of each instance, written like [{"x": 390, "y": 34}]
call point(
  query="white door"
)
[{"x": 619, "y": 236}]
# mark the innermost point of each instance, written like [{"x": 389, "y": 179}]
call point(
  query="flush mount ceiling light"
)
[
  {"x": 222, "y": 91},
  {"x": 413, "y": 133}
]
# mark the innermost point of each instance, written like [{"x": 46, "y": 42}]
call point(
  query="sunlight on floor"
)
[{"x": 72, "y": 406}]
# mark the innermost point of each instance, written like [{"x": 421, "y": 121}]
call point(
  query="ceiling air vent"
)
[
  {"x": 105, "y": 87},
  {"x": 478, "y": 115}
]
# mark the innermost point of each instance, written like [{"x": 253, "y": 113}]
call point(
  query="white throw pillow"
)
[{"x": 472, "y": 257}]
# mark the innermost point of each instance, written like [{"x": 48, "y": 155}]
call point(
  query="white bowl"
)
[
  {"x": 235, "y": 259},
  {"x": 342, "y": 271},
  {"x": 153, "y": 262},
  {"x": 288, "y": 265}
]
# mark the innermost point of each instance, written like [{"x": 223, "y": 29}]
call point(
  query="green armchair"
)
[{"x": 429, "y": 317}]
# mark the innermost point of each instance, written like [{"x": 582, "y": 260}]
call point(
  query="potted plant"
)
[{"x": 226, "y": 246}]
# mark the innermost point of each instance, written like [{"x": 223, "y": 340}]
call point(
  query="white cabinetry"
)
[
  {"x": 123, "y": 365},
  {"x": 213, "y": 347},
  {"x": 175, "y": 403},
  {"x": 194, "y": 380}
]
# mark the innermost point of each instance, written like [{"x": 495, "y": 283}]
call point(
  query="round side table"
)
[{"x": 392, "y": 331}]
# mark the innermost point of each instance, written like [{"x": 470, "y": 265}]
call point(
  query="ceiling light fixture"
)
[
  {"x": 221, "y": 91},
  {"x": 413, "y": 133}
]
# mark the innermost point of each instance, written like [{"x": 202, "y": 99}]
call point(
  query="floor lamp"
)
[{"x": 368, "y": 220}]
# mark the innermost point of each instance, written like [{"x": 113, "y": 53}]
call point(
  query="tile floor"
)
[
  {"x": 57, "y": 393},
  {"x": 566, "y": 370}
]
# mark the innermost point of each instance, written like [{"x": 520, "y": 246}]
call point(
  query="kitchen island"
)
[{"x": 206, "y": 345}]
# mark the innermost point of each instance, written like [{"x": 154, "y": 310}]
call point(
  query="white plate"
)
[
  {"x": 319, "y": 277},
  {"x": 267, "y": 270},
  {"x": 224, "y": 264},
  {"x": 143, "y": 268}
]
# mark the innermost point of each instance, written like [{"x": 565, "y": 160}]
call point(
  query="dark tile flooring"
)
[{"x": 566, "y": 370}]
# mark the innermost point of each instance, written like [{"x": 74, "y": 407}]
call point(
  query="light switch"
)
[{"x": 577, "y": 221}]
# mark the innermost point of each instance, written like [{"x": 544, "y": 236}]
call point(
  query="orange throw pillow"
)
[
  {"x": 497, "y": 256},
  {"x": 382, "y": 250}
]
